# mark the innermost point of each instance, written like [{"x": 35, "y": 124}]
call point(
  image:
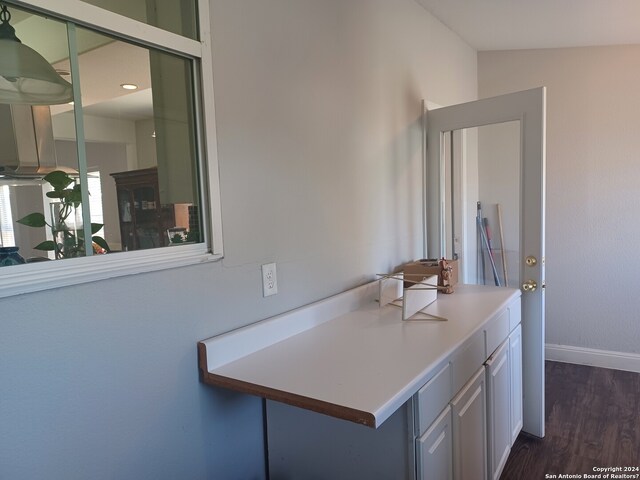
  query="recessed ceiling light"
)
[{"x": 129, "y": 86}]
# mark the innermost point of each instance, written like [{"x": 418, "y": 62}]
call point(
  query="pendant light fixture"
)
[{"x": 25, "y": 76}]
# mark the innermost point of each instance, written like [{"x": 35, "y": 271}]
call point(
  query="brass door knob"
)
[{"x": 529, "y": 286}]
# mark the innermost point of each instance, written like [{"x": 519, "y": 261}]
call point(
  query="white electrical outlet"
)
[{"x": 269, "y": 280}]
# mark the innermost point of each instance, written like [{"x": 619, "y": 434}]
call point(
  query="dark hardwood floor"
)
[{"x": 592, "y": 420}]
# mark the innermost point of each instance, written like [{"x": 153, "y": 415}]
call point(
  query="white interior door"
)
[{"x": 485, "y": 204}]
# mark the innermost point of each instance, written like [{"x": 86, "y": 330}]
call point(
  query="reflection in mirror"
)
[
  {"x": 28, "y": 153},
  {"x": 140, "y": 141},
  {"x": 138, "y": 113},
  {"x": 177, "y": 16},
  {"x": 481, "y": 203}
]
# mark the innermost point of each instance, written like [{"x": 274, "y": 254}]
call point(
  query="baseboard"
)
[{"x": 596, "y": 358}]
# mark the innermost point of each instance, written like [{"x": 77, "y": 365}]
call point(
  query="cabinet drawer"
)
[
  {"x": 433, "y": 397},
  {"x": 466, "y": 362},
  {"x": 515, "y": 314},
  {"x": 496, "y": 331}
]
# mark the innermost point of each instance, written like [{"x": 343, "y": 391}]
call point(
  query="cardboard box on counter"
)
[{"x": 425, "y": 267}]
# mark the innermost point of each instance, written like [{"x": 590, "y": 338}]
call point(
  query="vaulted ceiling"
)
[{"x": 518, "y": 24}]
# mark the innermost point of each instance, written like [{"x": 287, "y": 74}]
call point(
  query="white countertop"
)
[{"x": 362, "y": 365}]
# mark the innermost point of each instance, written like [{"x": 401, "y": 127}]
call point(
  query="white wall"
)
[
  {"x": 146, "y": 144},
  {"x": 499, "y": 149},
  {"x": 593, "y": 175},
  {"x": 102, "y": 130},
  {"x": 318, "y": 106}
]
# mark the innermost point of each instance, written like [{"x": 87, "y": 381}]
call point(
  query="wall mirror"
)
[{"x": 480, "y": 203}]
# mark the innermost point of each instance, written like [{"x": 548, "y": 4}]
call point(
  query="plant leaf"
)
[
  {"x": 58, "y": 179},
  {"x": 47, "y": 245},
  {"x": 55, "y": 194},
  {"x": 70, "y": 241},
  {"x": 75, "y": 196},
  {"x": 35, "y": 219},
  {"x": 96, "y": 227},
  {"x": 101, "y": 242}
]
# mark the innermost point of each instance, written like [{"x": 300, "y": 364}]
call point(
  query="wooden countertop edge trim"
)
[{"x": 338, "y": 411}]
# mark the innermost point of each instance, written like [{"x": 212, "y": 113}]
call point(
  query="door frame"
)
[{"x": 529, "y": 107}]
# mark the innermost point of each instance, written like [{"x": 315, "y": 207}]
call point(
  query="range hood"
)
[{"x": 27, "y": 148}]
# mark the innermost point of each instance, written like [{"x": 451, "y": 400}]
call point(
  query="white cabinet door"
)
[
  {"x": 470, "y": 430},
  {"x": 499, "y": 418},
  {"x": 434, "y": 450},
  {"x": 515, "y": 363}
]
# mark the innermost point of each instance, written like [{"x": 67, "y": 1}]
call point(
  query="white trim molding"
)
[
  {"x": 597, "y": 358},
  {"x": 102, "y": 20},
  {"x": 35, "y": 277}
]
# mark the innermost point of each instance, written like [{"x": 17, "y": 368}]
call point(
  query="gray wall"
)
[
  {"x": 593, "y": 175},
  {"x": 318, "y": 106}
]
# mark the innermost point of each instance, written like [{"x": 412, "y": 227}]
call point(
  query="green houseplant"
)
[{"x": 68, "y": 241}]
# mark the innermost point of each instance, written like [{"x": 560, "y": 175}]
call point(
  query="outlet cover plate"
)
[{"x": 269, "y": 280}]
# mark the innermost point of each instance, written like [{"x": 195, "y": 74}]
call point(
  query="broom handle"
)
[
  {"x": 502, "y": 249},
  {"x": 485, "y": 242},
  {"x": 480, "y": 259}
]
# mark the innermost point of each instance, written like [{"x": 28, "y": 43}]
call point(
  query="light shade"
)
[{"x": 25, "y": 76}]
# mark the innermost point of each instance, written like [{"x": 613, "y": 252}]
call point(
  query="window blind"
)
[{"x": 7, "y": 238}]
